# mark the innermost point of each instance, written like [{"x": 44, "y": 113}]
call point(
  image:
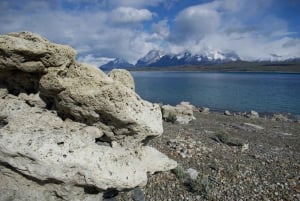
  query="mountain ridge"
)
[
  {"x": 160, "y": 59},
  {"x": 116, "y": 63}
]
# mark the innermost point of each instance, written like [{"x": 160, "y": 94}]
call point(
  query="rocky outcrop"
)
[
  {"x": 67, "y": 129},
  {"x": 181, "y": 113}
]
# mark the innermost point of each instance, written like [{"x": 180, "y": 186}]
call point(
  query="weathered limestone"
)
[
  {"x": 88, "y": 95},
  {"x": 181, "y": 113},
  {"x": 31, "y": 53},
  {"x": 77, "y": 91},
  {"x": 92, "y": 139},
  {"x": 122, "y": 76}
]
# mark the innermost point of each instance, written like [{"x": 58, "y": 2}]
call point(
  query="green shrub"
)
[
  {"x": 222, "y": 136},
  {"x": 180, "y": 173},
  {"x": 200, "y": 185}
]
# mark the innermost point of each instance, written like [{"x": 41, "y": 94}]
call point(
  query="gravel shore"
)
[{"x": 236, "y": 158}]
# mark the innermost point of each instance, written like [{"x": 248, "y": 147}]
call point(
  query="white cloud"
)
[
  {"x": 220, "y": 25},
  {"x": 195, "y": 22},
  {"x": 130, "y": 15},
  {"x": 97, "y": 32},
  {"x": 90, "y": 32},
  {"x": 161, "y": 28}
]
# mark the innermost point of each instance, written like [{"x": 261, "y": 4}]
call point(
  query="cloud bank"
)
[
  {"x": 129, "y": 15},
  {"x": 100, "y": 29}
]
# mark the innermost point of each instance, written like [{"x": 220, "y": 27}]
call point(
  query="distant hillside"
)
[
  {"x": 158, "y": 59},
  {"x": 208, "y": 61},
  {"x": 116, "y": 63},
  {"x": 292, "y": 66}
]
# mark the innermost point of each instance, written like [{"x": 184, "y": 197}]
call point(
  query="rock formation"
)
[
  {"x": 67, "y": 130},
  {"x": 181, "y": 113}
]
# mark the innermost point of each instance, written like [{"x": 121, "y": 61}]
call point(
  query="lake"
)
[{"x": 262, "y": 92}]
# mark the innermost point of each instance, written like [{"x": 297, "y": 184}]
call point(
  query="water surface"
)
[{"x": 263, "y": 92}]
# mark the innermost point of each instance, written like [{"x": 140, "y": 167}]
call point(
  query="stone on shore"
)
[
  {"x": 279, "y": 117},
  {"x": 227, "y": 113},
  {"x": 252, "y": 114},
  {"x": 204, "y": 110},
  {"x": 70, "y": 127},
  {"x": 181, "y": 113}
]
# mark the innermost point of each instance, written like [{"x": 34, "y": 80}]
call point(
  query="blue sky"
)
[{"x": 103, "y": 29}]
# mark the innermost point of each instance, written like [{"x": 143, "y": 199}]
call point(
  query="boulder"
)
[
  {"x": 181, "y": 113},
  {"x": 77, "y": 91},
  {"x": 252, "y": 114},
  {"x": 204, "y": 110},
  {"x": 67, "y": 130},
  {"x": 279, "y": 117},
  {"x": 227, "y": 113},
  {"x": 122, "y": 76},
  {"x": 25, "y": 57},
  {"x": 87, "y": 95}
]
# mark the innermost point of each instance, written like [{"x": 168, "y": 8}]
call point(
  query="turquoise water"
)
[{"x": 263, "y": 92}]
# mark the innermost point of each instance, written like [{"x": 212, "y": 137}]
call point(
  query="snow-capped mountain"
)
[
  {"x": 117, "y": 63},
  {"x": 156, "y": 58},
  {"x": 150, "y": 58},
  {"x": 186, "y": 58}
]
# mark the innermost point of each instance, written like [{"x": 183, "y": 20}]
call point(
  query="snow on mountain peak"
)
[
  {"x": 116, "y": 63},
  {"x": 158, "y": 58},
  {"x": 150, "y": 57}
]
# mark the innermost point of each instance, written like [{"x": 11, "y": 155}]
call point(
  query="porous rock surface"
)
[
  {"x": 68, "y": 131},
  {"x": 122, "y": 76}
]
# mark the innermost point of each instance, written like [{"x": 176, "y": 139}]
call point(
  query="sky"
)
[{"x": 100, "y": 30}]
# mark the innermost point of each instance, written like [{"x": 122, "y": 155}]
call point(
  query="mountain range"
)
[
  {"x": 156, "y": 58},
  {"x": 116, "y": 63}
]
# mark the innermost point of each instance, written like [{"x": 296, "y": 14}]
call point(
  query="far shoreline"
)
[
  {"x": 166, "y": 69},
  {"x": 201, "y": 71},
  {"x": 232, "y": 67},
  {"x": 268, "y": 115}
]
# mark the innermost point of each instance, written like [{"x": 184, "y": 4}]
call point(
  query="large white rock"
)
[
  {"x": 88, "y": 95},
  {"x": 16, "y": 187},
  {"x": 32, "y": 53},
  {"x": 69, "y": 128},
  {"x": 31, "y": 64},
  {"x": 37, "y": 143}
]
